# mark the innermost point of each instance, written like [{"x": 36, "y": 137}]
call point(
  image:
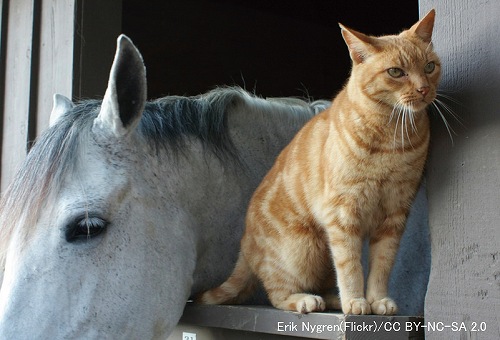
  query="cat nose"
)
[{"x": 423, "y": 90}]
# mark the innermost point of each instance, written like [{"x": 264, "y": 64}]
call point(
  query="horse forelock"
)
[{"x": 49, "y": 160}]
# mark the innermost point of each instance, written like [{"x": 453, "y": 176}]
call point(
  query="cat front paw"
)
[
  {"x": 385, "y": 306},
  {"x": 310, "y": 303},
  {"x": 356, "y": 306}
]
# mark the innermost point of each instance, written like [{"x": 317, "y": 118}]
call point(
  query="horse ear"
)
[
  {"x": 61, "y": 105},
  {"x": 125, "y": 96}
]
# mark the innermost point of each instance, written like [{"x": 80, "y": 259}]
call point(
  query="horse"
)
[{"x": 124, "y": 207}]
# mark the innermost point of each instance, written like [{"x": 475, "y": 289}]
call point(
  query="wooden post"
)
[
  {"x": 55, "y": 63},
  {"x": 463, "y": 297},
  {"x": 16, "y": 94},
  {"x": 49, "y": 47}
]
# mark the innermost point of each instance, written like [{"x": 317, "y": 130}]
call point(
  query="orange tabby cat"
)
[{"x": 350, "y": 173}]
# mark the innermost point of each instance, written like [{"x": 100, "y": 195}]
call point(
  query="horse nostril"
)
[{"x": 424, "y": 90}]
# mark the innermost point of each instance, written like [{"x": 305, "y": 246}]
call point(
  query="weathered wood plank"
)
[
  {"x": 50, "y": 47},
  {"x": 55, "y": 71},
  {"x": 16, "y": 104},
  {"x": 252, "y": 322},
  {"x": 463, "y": 179},
  {"x": 4, "y": 12}
]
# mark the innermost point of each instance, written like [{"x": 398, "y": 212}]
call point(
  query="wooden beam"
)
[
  {"x": 4, "y": 14},
  {"x": 49, "y": 47},
  {"x": 16, "y": 103},
  {"x": 264, "y": 322},
  {"x": 463, "y": 177},
  {"x": 55, "y": 65}
]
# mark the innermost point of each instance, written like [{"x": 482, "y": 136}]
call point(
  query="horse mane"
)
[{"x": 166, "y": 123}]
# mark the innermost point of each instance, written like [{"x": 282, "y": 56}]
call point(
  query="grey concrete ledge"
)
[{"x": 327, "y": 325}]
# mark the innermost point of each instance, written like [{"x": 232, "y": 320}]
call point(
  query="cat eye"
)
[
  {"x": 395, "y": 72},
  {"x": 429, "y": 68}
]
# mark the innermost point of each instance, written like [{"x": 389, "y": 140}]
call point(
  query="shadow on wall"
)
[{"x": 410, "y": 274}]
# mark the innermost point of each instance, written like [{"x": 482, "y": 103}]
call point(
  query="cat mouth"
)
[
  {"x": 413, "y": 104},
  {"x": 416, "y": 105}
]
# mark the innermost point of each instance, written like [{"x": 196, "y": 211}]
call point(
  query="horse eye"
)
[
  {"x": 85, "y": 228},
  {"x": 395, "y": 72}
]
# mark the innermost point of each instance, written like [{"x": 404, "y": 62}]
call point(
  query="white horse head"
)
[{"x": 123, "y": 208}]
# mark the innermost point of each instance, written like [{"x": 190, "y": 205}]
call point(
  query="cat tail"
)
[{"x": 237, "y": 288}]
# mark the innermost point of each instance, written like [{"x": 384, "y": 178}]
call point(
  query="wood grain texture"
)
[
  {"x": 55, "y": 67},
  {"x": 263, "y": 322},
  {"x": 49, "y": 47},
  {"x": 16, "y": 104},
  {"x": 38, "y": 63},
  {"x": 464, "y": 178}
]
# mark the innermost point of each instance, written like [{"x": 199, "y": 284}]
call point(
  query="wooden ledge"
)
[{"x": 283, "y": 324}]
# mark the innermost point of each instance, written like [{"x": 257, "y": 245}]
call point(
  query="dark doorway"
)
[{"x": 271, "y": 47}]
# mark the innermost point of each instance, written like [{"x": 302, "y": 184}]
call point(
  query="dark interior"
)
[{"x": 270, "y": 47}]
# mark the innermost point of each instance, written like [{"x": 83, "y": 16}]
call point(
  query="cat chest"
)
[
  {"x": 375, "y": 182},
  {"x": 378, "y": 167}
]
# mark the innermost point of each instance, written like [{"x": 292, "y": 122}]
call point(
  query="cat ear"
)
[
  {"x": 423, "y": 28},
  {"x": 360, "y": 45}
]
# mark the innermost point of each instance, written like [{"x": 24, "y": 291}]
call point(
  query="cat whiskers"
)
[
  {"x": 443, "y": 108},
  {"x": 403, "y": 113}
]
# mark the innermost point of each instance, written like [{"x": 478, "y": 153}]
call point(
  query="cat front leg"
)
[
  {"x": 290, "y": 273},
  {"x": 384, "y": 244},
  {"x": 299, "y": 302},
  {"x": 346, "y": 244}
]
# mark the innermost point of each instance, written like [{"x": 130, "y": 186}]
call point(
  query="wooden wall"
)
[
  {"x": 48, "y": 47},
  {"x": 463, "y": 179},
  {"x": 18, "y": 18},
  {"x": 36, "y": 61}
]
